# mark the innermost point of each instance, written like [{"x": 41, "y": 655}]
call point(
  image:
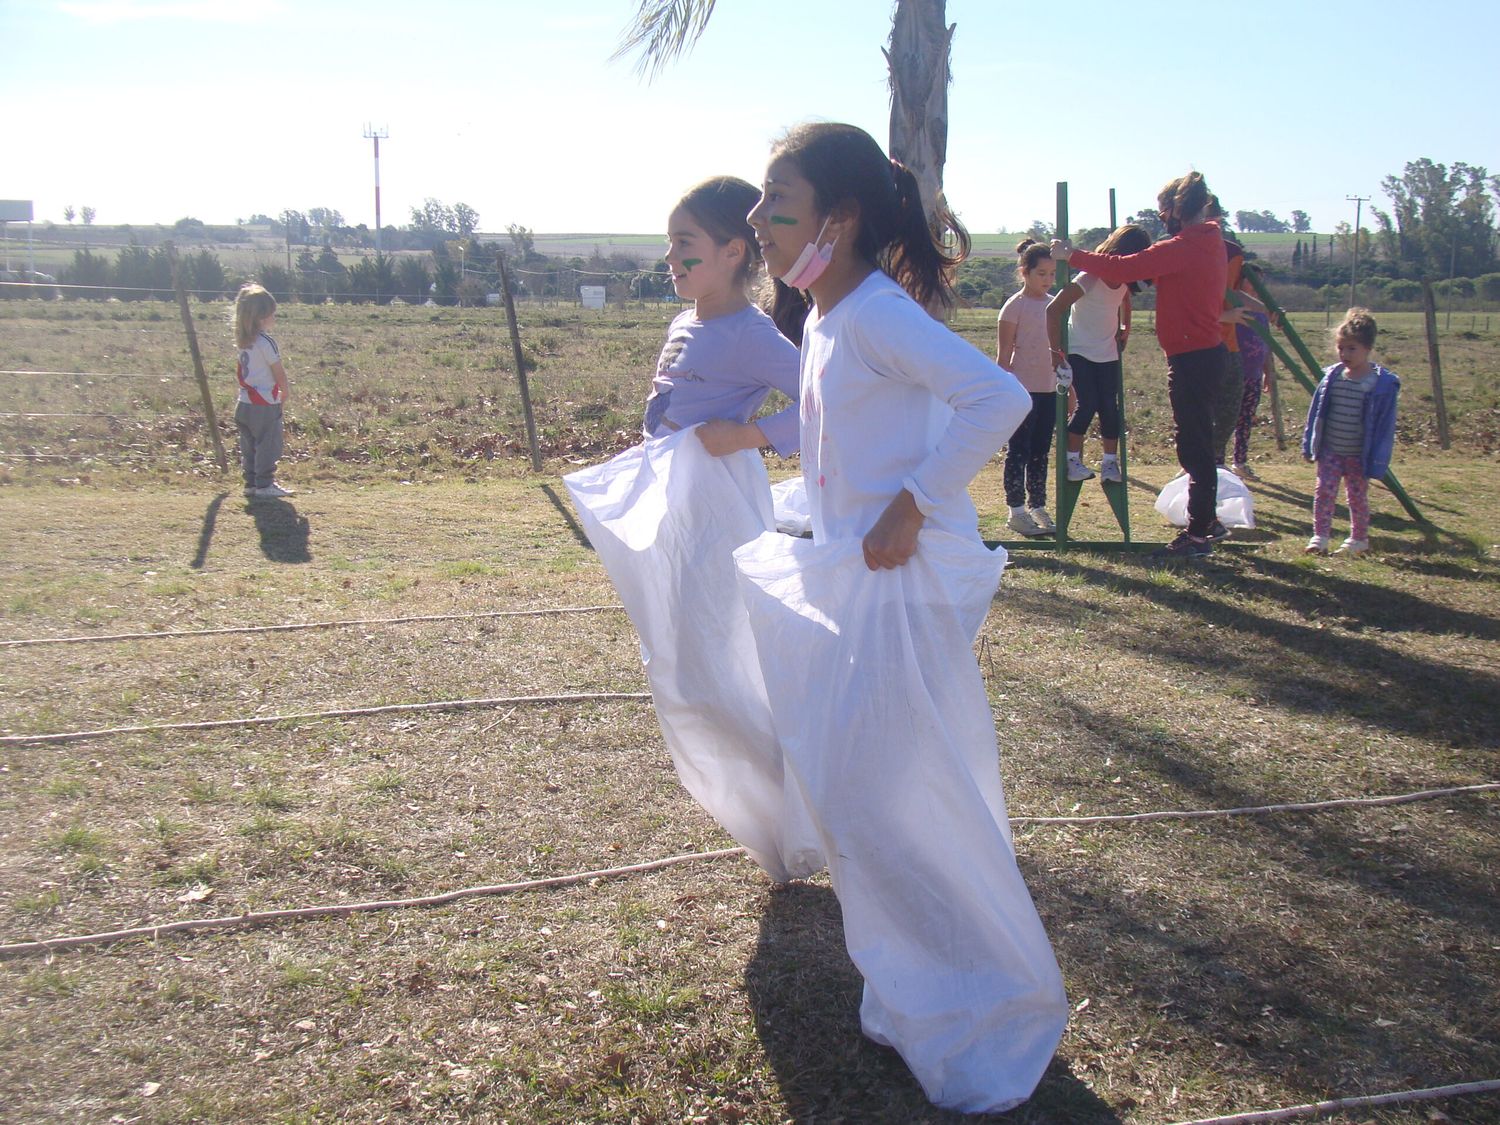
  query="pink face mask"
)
[{"x": 811, "y": 263}]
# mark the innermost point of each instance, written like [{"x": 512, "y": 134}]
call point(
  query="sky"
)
[{"x": 153, "y": 110}]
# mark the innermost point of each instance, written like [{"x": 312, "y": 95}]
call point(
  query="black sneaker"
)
[
  {"x": 1185, "y": 546},
  {"x": 1216, "y": 531}
]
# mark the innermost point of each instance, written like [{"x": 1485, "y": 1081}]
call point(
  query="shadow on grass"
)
[
  {"x": 567, "y": 515},
  {"x": 206, "y": 534},
  {"x": 805, "y": 994},
  {"x": 1311, "y": 957},
  {"x": 1320, "y": 663},
  {"x": 283, "y": 532}
]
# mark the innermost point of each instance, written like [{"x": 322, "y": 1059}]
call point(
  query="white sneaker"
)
[
  {"x": 1353, "y": 546},
  {"x": 1317, "y": 545},
  {"x": 1023, "y": 524},
  {"x": 1110, "y": 471},
  {"x": 273, "y": 491},
  {"x": 1043, "y": 521},
  {"x": 1077, "y": 470}
]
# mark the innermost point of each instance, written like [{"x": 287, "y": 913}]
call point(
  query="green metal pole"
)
[{"x": 1065, "y": 490}]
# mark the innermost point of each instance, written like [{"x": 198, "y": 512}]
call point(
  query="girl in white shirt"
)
[
  {"x": 865, "y": 633},
  {"x": 1098, "y": 328}
]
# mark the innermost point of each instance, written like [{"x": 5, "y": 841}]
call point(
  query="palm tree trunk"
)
[{"x": 918, "y": 61}]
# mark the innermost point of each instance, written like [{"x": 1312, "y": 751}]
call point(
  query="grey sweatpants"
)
[{"x": 260, "y": 442}]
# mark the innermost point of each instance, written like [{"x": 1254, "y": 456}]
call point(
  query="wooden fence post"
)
[
  {"x": 1275, "y": 385},
  {"x": 1429, "y": 310},
  {"x": 202, "y": 376},
  {"x": 515, "y": 344}
]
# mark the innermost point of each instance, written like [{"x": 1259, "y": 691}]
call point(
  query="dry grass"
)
[{"x": 1215, "y": 965}]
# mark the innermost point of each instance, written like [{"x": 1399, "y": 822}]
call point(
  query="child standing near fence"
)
[
  {"x": 1022, "y": 348},
  {"x": 1098, "y": 327},
  {"x": 263, "y": 387},
  {"x": 724, "y": 355},
  {"x": 1350, "y": 432}
]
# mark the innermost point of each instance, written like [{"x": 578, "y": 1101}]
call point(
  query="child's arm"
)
[
  {"x": 1155, "y": 261},
  {"x": 721, "y": 436},
  {"x": 278, "y": 372},
  {"x": 1005, "y": 343},
  {"x": 1057, "y": 309},
  {"x": 1122, "y": 337}
]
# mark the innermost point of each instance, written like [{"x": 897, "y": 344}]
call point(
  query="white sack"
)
[
  {"x": 887, "y": 731},
  {"x": 789, "y": 502},
  {"x": 665, "y": 518},
  {"x": 1236, "y": 507}
]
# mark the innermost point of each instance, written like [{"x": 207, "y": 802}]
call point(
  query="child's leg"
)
[
  {"x": 1226, "y": 404},
  {"x": 1358, "y": 487},
  {"x": 247, "y": 442},
  {"x": 1248, "y": 405},
  {"x": 268, "y": 448},
  {"x": 1086, "y": 386},
  {"x": 1107, "y": 395},
  {"x": 1326, "y": 495},
  {"x": 1017, "y": 451},
  {"x": 1043, "y": 421}
]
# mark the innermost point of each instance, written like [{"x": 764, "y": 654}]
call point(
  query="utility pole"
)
[
  {"x": 1359, "y": 202},
  {"x": 377, "y": 135}
]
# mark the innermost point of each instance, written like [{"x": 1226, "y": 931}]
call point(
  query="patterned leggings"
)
[
  {"x": 1248, "y": 406},
  {"x": 1026, "y": 454},
  {"x": 1331, "y": 468}
]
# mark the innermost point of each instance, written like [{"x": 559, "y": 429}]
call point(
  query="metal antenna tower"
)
[{"x": 377, "y": 135}]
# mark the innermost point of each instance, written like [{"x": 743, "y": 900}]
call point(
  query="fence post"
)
[
  {"x": 1429, "y": 313},
  {"x": 1275, "y": 385},
  {"x": 515, "y": 344},
  {"x": 201, "y": 375}
]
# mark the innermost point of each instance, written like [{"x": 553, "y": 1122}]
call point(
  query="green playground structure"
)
[{"x": 1299, "y": 361}]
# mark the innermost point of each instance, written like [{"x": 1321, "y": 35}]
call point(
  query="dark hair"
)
[
  {"x": 1129, "y": 239},
  {"x": 1358, "y": 325},
  {"x": 720, "y": 205},
  {"x": 846, "y": 166},
  {"x": 1030, "y": 254},
  {"x": 1182, "y": 198}
]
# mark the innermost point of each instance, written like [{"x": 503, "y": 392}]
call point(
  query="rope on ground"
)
[
  {"x": 302, "y": 913},
  {"x": 336, "y": 624},
  {"x": 102, "y": 374},
  {"x": 1251, "y": 810},
  {"x": 1487, "y": 1086},
  {"x": 21, "y": 949},
  {"x": 319, "y": 716}
]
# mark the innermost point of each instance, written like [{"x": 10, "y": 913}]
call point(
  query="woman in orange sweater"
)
[{"x": 1189, "y": 271}]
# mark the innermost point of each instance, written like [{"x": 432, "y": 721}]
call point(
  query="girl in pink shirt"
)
[{"x": 1022, "y": 347}]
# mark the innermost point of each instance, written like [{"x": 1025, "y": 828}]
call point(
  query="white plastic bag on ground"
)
[
  {"x": 888, "y": 734},
  {"x": 789, "y": 502},
  {"x": 665, "y": 518},
  {"x": 1236, "y": 507}
]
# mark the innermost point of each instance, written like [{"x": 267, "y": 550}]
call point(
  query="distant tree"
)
[
  {"x": 295, "y": 226},
  {"x": 1297, "y": 258},
  {"x": 1089, "y": 237},
  {"x": 331, "y": 271},
  {"x": 1489, "y": 286},
  {"x": 1440, "y": 218},
  {"x": 434, "y": 216},
  {"x": 1260, "y": 221},
  {"x": 522, "y": 242},
  {"x": 1344, "y": 233},
  {"x": 277, "y": 279},
  {"x": 324, "y": 218},
  {"x": 1040, "y": 229},
  {"x": 1150, "y": 221},
  {"x": 190, "y": 228},
  {"x": 87, "y": 213},
  {"x": 465, "y": 220},
  {"x": 413, "y": 280},
  {"x": 1403, "y": 290},
  {"x": 1301, "y": 222},
  {"x": 205, "y": 275},
  {"x": 137, "y": 275},
  {"x": 68, "y": 213},
  {"x": 445, "y": 282},
  {"x": 89, "y": 270}
]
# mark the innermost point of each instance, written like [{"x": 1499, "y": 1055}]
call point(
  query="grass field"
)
[{"x": 1214, "y": 965}]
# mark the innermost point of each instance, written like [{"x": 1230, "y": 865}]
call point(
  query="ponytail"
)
[{"x": 845, "y": 166}]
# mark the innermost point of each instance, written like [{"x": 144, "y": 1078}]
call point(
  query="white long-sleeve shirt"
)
[{"x": 892, "y": 399}]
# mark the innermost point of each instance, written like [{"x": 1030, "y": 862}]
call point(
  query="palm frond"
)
[{"x": 662, "y": 31}]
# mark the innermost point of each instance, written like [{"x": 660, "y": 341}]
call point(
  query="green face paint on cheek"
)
[
  {"x": 783, "y": 221},
  {"x": 689, "y": 263}
]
